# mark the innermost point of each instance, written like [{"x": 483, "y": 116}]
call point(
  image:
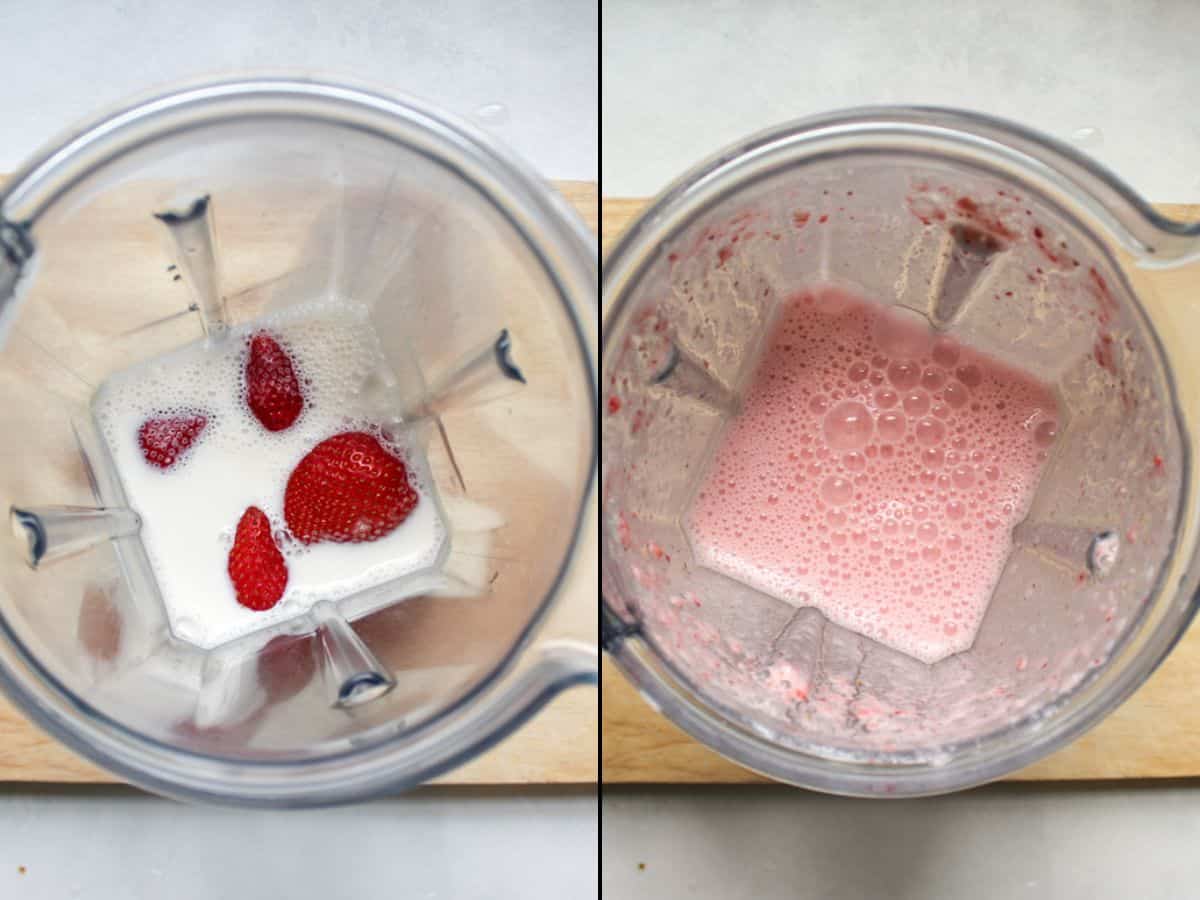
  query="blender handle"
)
[
  {"x": 16, "y": 249},
  {"x": 557, "y": 666},
  {"x": 613, "y": 629}
]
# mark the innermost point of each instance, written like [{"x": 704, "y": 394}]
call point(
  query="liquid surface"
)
[
  {"x": 875, "y": 471},
  {"x": 191, "y": 510}
]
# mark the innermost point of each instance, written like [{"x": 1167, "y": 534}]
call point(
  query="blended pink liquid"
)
[{"x": 875, "y": 472}]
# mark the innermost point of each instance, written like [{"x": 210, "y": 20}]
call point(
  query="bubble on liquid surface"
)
[
  {"x": 1045, "y": 433},
  {"x": 945, "y": 351},
  {"x": 932, "y": 379},
  {"x": 848, "y": 426},
  {"x": 886, "y": 398},
  {"x": 970, "y": 375},
  {"x": 837, "y": 491},
  {"x": 930, "y": 431},
  {"x": 904, "y": 375},
  {"x": 902, "y": 334},
  {"x": 916, "y": 403},
  {"x": 956, "y": 395},
  {"x": 854, "y": 462},
  {"x": 892, "y": 425}
]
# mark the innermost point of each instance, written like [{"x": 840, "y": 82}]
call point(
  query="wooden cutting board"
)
[
  {"x": 558, "y": 746},
  {"x": 1156, "y": 734}
]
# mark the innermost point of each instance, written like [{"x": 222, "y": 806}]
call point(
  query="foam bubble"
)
[
  {"x": 904, "y": 375},
  {"x": 916, "y": 403}
]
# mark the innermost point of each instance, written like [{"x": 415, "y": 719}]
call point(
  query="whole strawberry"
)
[
  {"x": 272, "y": 388},
  {"x": 165, "y": 438},
  {"x": 256, "y": 567},
  {"x": 348, "y": 489}
]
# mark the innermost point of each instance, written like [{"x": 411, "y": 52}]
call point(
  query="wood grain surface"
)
[
  {"x": 559, "y": 745},
  {"x": 1156, "y": 734}
]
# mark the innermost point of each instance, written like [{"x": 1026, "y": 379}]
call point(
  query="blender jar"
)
[
  {"x": 186, "y": 218},
  {"x": 1005, "y": 242}
]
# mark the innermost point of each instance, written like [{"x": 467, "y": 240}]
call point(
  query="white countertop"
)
[
  {"x": 434, "y": 844},
  {"x": 1002, "y": 841},
  {"x": 526, "y": 71},
  {"x": 1120, "y": 79}
]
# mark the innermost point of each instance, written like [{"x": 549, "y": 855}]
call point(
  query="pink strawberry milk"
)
[{"x": 874, "y": 471}]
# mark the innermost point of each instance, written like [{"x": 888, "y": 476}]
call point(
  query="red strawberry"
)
[
  {"x": 256, "y": 567},
  {"x": 348, "y": 489},
  {"x": 285, "y": 665},
  {"x": 164, "y": 439},
  {"x": 272, "y": 389}
]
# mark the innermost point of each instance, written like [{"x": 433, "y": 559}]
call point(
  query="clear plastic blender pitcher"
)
[
  {"x": 1003, "y": 240},
  {"x": 184, "y": 218}
]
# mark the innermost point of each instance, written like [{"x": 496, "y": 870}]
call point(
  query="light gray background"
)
[
  {"x": 436, "y": 844},
  {"x": 1002, "y": 841},
  {"x": 527, "y": 71},
  {"x": 1121, "y": 79}
]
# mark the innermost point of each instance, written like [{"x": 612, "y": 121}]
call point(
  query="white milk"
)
[{"x": 190, "y": 511}]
